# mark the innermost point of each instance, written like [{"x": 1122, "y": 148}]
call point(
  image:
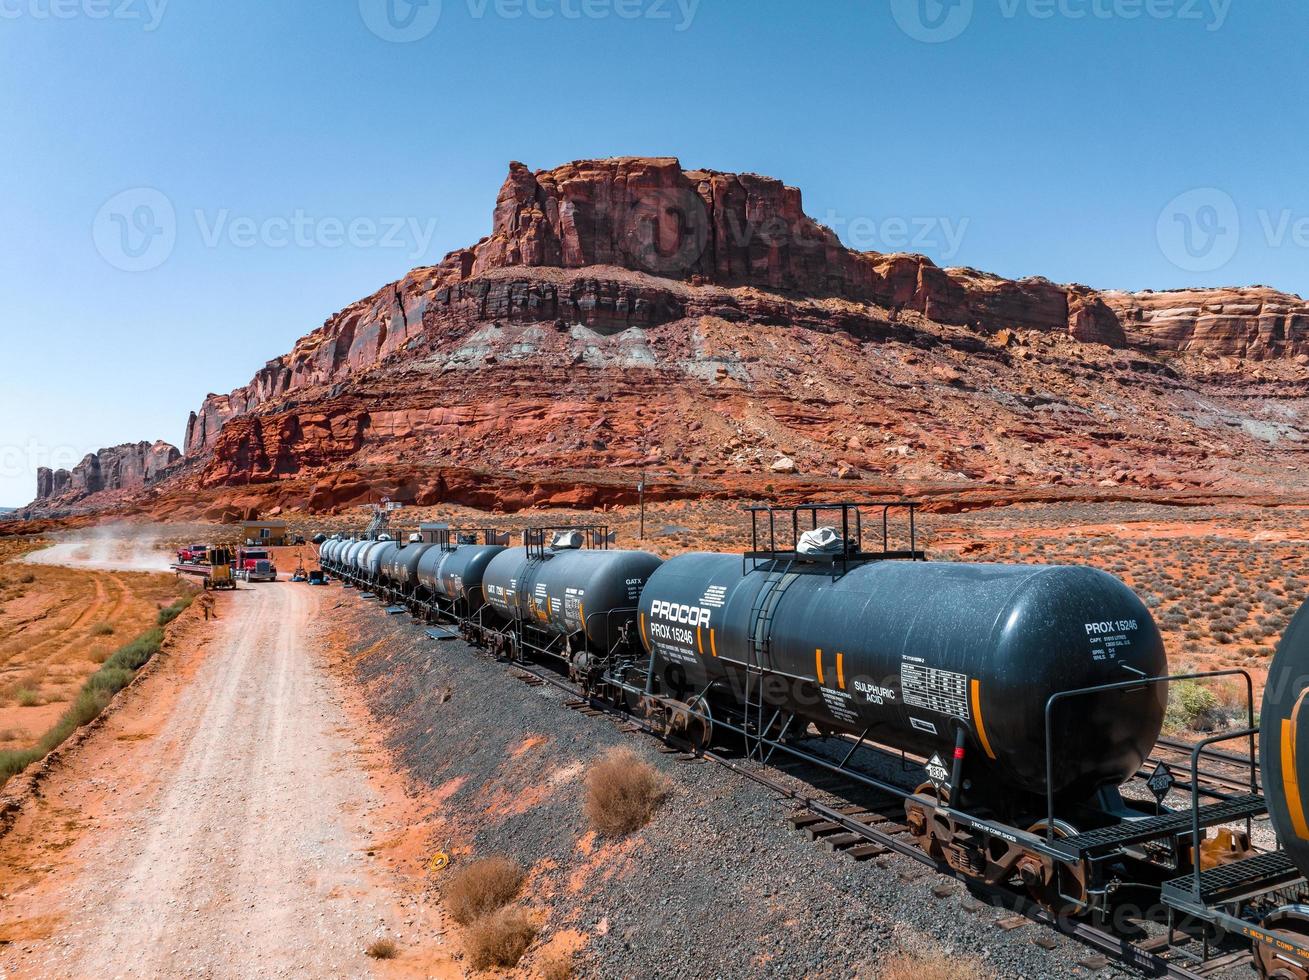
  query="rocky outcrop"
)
[
  {"x": 634, "y": 293},
  {"x": 132, "y": 466},
  {"x": 669, "y": 228},
  {"x": 356, "y": 338},
  {"x": 1256, "y": 323},
  {"x": 651, "y": 216},
  {"x": 51, "y": 483},
  {"x": 1092, "y": 321}
]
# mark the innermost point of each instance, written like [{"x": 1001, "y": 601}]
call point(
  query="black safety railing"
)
[
  {"x": 775, "y": 533},
  {"x": 537, "y": 540},
  {"x": 449, "y": 538},
  {"x": 1249, "y": 732}
]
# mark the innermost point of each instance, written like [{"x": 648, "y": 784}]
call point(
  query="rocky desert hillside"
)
[
  {"x": 131, "y": 467},
  {"x": 629, "y": 314}
]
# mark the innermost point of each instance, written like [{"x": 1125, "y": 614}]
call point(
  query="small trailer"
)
[{"x": 217, "y": 573}]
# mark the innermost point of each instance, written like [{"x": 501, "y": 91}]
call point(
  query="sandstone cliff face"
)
[
  {"x": 628, "y": 312},
  {"x": 651, "y": 216},
  {"x": 129, "y": 467},
  {"x": 1256, "y": 323},
  {"x": 675, "y": 226}
]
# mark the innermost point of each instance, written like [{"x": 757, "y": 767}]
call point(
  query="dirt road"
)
[{"x": 225, "y": 833}]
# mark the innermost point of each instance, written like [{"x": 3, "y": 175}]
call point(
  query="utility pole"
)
[{"x": 640, "y": 489}]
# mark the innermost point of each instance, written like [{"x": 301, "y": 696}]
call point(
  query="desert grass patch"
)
[
  {"x": 557, "y": 966},
  {"x": 934, "y": 966},
  {"x": 482, "y": 888},
  {"x": 27, "y": 697},
  {"x": 111, "y": 679},
  {"x": 499, "y": 939},
  {"x": 99, "y": 689},
  {"x": 29, "y": 679},
  {"x": 133, "y": 656},
  {"x": 623, "y": 793},
  {"x": 14, "y": 761},
  {"x": 170, "y": 613},
  {"x": 383, "y": 949},
  {"x": 102, "y": 629}
]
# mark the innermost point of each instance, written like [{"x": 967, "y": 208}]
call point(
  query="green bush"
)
[
  {"x": 1194, "y": 707},
  {"x": 111, "y": 679},
  {"x": 114, "y": 675},
  {"x": 169, "y": 614},
  {"x": 90, "y": 702},
  {"x": 14, "y": 761},
  {"x": 134, "y": 655}
]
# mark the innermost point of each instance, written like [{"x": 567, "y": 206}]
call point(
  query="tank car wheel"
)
[
  {"x": 1294, "y": 924},
  {"x": 1060, "y": 889},
  {"x": 1265, "y": 960},
  {"x": 685, "y": 722},
  {"x": 923, "y": 825}
]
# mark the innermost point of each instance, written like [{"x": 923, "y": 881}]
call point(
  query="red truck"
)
[
  {"x": 255, "y": 565},
  {"x": 195, "y": 554}
]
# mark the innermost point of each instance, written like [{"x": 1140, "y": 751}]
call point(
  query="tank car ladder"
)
[{"x": 759, "y": 664}]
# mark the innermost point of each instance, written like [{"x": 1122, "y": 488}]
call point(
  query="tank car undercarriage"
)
[{"x": 1097, "y": 850}]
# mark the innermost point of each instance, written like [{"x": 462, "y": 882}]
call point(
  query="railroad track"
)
[
  {"x": 838, "y": 816},
  {"x": 1223, "y": 771},
  {"x": 846, "y": 818}
]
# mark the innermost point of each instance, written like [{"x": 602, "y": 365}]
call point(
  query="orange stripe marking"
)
[
  {"x": 977, "y": 719},
  {"x": 1290, "y": 782},
  {"x": 699, "y": 640},
  {"x": 840, "y": 671},
  {"x": 818, "y": 661},
  {"x": 713, "y": 641}
]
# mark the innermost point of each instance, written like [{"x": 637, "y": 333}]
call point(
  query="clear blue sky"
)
[{"x": 1056, "y": 141}]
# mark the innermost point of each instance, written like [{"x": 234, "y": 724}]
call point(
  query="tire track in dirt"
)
[
  {"x": 125, "y": 595},
  {"x": 232, "y": 843},
  {"x": 61, "y": 639}
]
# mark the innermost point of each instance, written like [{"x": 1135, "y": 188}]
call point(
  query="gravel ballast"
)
[{"x": 718, "y": 885}]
